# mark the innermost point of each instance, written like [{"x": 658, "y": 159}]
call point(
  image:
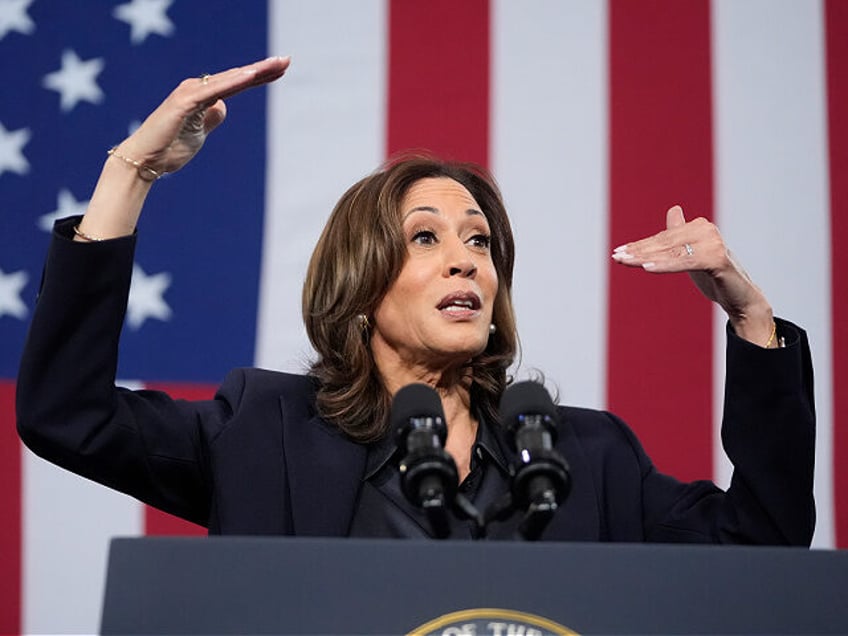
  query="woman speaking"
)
[{"x": 409, "y": 284}]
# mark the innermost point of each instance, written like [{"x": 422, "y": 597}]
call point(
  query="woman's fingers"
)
[
  {"x": 683, "y": 246},
  {"x": 674, "y": 217},
  {"x": 177, "y": 129},
  {"x": 697, "y": 247},
  {"x": 215, "y": 116},
  {"x": 208, "y": 89},
  {"x": 200, "y": 93}
]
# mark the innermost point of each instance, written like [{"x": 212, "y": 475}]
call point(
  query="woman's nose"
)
[
  {"x": 460, "y": 264},
  {"x": 465, "y": 269}
]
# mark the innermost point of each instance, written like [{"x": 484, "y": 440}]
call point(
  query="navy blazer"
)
[{"x": 258, "y": 459}]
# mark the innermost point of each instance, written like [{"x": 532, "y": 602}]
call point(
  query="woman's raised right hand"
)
[
  {"x": 165, "y": 142},
  {"x": 176, "y": 130}
]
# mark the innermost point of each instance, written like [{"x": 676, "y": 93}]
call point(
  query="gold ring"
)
[{"x": 204, "y": 79}]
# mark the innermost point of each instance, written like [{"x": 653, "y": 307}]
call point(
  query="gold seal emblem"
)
[{"x": 491, "y": 622}]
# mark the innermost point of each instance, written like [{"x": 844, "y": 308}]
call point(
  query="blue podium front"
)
[{"x": 254, "y": 585}]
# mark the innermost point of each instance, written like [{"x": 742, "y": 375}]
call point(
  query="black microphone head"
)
[
  {"x": 525, "y": 398},
  {"x": 415, "y": 400}
]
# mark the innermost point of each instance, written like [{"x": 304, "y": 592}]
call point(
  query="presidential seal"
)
[{"x": 491, "y": 622}]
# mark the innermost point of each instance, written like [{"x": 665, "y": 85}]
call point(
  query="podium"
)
[{"x": 253, "y": 585}]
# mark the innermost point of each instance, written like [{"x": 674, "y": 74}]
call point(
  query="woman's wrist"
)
[
  {"x": 756, "y": 325},
  {"x": 116, "y": 203}
]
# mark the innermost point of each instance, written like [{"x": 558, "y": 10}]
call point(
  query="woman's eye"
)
[
  {"x": 424, "y": 237},
  {"x": 481, "y": 240}
]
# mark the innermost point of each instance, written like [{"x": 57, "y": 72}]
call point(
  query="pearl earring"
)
[{"x": 492, "y": 329}]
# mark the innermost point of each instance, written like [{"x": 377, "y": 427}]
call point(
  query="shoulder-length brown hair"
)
[{"x": 359, "y": 255}]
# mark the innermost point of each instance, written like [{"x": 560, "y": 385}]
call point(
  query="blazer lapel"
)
[{"x": 324, "y": 472}]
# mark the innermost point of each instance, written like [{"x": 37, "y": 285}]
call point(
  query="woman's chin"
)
[{"x": 461, "y": 351}]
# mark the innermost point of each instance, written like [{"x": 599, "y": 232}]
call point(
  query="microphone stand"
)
[
  {"x": 539, "y": 483},
  {"x": 541, "y": 505},
  {"x": 429, "y": 478},
  {"x": 540, "y": 477},
  {"x": 539, "y": 508}
]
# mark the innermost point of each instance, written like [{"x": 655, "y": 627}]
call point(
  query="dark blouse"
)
[{"x": 382, "y": 510}]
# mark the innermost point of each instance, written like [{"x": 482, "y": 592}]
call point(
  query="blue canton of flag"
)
[{"x": 79, "y": 76}]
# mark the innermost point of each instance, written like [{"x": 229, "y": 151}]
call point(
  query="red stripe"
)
[
  {"x": 11, "y": 546},
  {"x": 157, "y": 522},
  {"x": 660, "y": 330},
  {"x": 438, "y": 84},
  {"x": 836, "y": 20}
]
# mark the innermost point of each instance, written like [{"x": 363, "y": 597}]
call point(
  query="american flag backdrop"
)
[{"x": 595, "y": 117}]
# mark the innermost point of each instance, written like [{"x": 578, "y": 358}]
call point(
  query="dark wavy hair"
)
[{"x": 356, "y": 260}]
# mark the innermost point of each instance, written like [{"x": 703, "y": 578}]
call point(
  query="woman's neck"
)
[{"x": 453, "y": 387}]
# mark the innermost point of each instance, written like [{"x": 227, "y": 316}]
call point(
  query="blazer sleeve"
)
[
  {"x": 69, "y": 410},
  {"x": 768, "y": 432}
]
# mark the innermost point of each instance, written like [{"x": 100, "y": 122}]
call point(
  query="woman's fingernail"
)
[{"x": 649, "y": 266}]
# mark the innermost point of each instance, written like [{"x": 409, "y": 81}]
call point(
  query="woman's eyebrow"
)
[{"x": 434, "y": 210}]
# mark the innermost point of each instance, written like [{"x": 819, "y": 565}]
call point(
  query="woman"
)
[{"x": 410, "y": 282}]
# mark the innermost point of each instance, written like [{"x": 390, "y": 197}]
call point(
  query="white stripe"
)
[
  {"x": 549, "y": 154},
  {"x": 326, "y": 123},
  {"x": 67, "y": 524},
  {"x": 771, "y": 176}
]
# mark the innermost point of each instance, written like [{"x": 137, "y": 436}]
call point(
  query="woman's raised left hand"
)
[{"x": 697, "y": 247}]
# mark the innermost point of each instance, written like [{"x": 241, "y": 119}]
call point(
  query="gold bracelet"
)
[
  {"x": 773, "y": 334},
  {"x": 144, "y": 173},
  {"x": 85, "y": 237}
]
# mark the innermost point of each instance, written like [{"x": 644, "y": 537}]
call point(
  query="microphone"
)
[
  {"x": 540, "y": 476},
  {"x": 429, "y": 478}
]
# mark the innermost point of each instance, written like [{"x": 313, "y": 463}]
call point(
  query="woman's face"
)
[{"x": 437, "y": 313}]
